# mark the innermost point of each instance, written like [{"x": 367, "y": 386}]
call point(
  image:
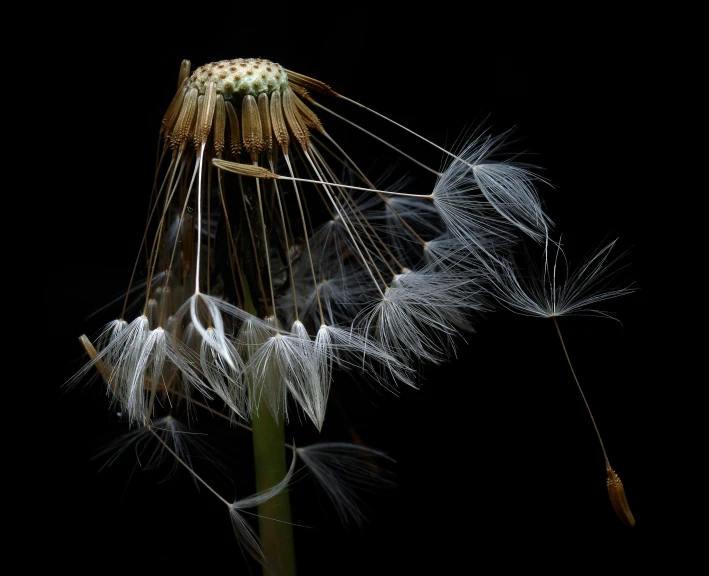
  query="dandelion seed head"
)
[{"x": 240, "y": 77}]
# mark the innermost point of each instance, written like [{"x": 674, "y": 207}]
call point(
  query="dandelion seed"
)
[
  {"x": 548, "y": 294},
  {"x": 150, "y": 454},
  {"x": 410, "y": 325},
  {"x": 343, "y": 471}
]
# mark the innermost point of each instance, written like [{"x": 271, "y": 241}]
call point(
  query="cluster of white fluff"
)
[
  {"x": 258, "y": 288},
  {"x": 385, "y": 282}
]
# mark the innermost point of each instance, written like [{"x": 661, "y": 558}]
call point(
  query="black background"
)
[{"x": 497, "y": 458}]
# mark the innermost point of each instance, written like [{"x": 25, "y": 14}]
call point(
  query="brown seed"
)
[{"x": 616, "y": 491}]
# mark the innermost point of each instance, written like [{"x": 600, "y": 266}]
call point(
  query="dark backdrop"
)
[{"x": 497, "y": 458}]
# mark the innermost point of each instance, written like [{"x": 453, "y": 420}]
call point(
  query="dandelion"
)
[{"x": 274, "y": 260}]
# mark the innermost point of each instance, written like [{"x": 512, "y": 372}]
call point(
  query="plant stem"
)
[{"x": 275, "y": 529}]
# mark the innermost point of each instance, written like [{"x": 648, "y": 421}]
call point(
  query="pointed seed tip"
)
[{"x": 616, "y": 491}]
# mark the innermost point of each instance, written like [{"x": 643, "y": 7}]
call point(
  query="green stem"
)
[{"x": 275, "y": 529}]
